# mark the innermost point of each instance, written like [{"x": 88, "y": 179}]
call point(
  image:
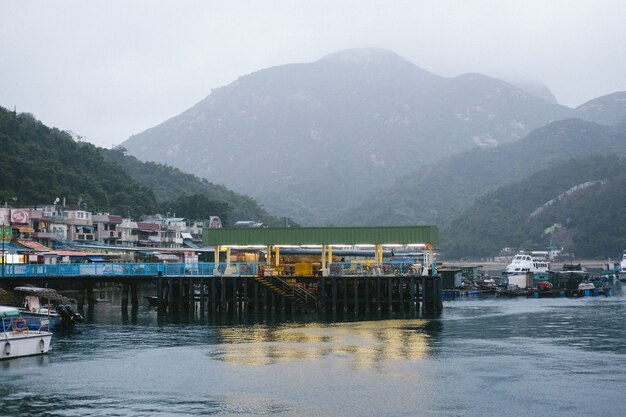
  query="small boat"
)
[
  {"x": 17, "y": 339},
  {"x": 486, "y": 284},
  {"x": 622, "y": 268},
  {"x": 34, "y": 310}
]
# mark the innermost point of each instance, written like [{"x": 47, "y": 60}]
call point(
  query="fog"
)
[{"x": 109, "y": 69}]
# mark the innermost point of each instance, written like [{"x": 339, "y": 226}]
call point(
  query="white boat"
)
[
  {"x": 17, "y": 340},
  {"x": 622, "y": 268},
  {"x": 523, "y": 263}
]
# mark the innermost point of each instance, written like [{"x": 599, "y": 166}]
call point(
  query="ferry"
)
[{"x": 523, "y": 263}]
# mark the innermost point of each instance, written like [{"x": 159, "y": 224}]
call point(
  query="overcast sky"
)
[{"x": 108, "y": 69}]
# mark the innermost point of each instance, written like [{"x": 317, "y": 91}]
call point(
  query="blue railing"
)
[{"x": 205, "y": 269}]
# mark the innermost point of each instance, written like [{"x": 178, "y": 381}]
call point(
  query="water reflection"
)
[{"x": 363, "y": 344}]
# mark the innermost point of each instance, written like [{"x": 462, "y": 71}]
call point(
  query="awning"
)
[
  {"x": 33, "y": 245},
  {"x": 166, "y": 257},
  {"x": 13, "y": 247},
  {"x": 185, "y": 235},
  {"x": 67, "y": 253},
  {"x": 97, "y": 259},
  {"x": 190, "y": 244}
]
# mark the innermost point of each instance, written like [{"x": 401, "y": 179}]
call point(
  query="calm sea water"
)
[{"x": 481, "y": 357}]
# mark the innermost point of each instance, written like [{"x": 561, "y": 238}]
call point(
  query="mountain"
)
[
  {"x": 535, "y": 88},
  {"x": 39, "y": 164},
  {"x": 436, "y": 193},
  {"x": 310, "y": 140},
  {"x": 579, "y": 204},
  {"x": 165, "y": 182},
  {"x": 607, "y": 110}
]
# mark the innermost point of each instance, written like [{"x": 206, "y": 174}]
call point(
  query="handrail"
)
[
  {"x": 204, "y": 269},
  {"x": 301, "y": 293}
]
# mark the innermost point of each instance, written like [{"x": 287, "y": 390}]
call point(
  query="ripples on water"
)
[{"x": 481, "y": 357}]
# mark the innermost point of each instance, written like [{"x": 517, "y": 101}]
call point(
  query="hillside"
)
[
  {"x": 608, "y": 110},
  {"x": 39, "y": 164},
  {"x": 438, "y": 192},
  {"x": 579, "y": 204},
  {"x": 310, "y": 140},
  {"x": 166, "y": 182}
]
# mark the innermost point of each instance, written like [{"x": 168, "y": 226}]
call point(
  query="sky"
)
[{"x": 106, "y": 70}]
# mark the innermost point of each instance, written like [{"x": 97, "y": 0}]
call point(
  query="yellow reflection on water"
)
[{"x": 364, "y": 344}]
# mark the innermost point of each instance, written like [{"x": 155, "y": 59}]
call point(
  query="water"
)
[{"x": 481, "y": 357}]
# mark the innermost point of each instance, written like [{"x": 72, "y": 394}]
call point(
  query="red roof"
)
[
  {"x": 115, "y": 219},
  {"x": 149, "y": 227}
]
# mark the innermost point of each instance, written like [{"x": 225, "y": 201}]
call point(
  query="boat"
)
[
  {"x": 17, "y": 339},
  {"x": 34, "y": 310},
  {"x": 523, "y": 263},
  {"x": 486, "y": 283},
  {"x": 622, "y": 268}
]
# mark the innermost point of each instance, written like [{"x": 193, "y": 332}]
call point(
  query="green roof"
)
[{"x": 322, "y": 236}]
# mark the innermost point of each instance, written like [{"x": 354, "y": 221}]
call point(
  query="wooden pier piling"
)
[{"x": 239, "y": 295}]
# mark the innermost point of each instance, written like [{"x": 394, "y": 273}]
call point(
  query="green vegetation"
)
[
  {"x": 590, "y": 222},
  {"x": 185, "y": 192},
  {"x": 39, "y": 164},
  {"x": 441, "y": 191}
]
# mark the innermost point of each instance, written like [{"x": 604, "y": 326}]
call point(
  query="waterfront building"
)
[{"x": 106, "y": 228}]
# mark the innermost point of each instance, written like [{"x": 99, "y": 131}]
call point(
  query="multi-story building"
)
[
  {"x": 170, "y": 229},
  {"x": 129, "y": 233},
  {"x": 80, "y": 225},
  {"x": 106, "y": 228}
]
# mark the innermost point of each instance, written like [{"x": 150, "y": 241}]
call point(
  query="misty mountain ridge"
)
[
  {"x": 436, "y": 193},
  {"x": 310, "y": 140},
  {"x": 608, "y": 110}
]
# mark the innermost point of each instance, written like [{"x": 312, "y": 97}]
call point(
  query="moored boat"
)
[
  {"x": 523, "y": 263},
  {"x": 622, "y": 268},
  {"x": 34, "y": 310},
  {"x": 17, "y": 339}
]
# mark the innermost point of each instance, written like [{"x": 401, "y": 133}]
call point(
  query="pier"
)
[
  {"x": 285, "y": 274},
  {"x": 180, "y": 286}
]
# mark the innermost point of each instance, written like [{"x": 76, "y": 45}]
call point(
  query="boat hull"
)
[
  {"x": 35, "y": 319},
  {"x": 26, "y": 343}
]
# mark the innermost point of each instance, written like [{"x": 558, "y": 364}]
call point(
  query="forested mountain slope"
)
[
  {"x": 40, "y": 164},
  {"x": 436, "y": 193},
  {"x": 578, "y": 204}
]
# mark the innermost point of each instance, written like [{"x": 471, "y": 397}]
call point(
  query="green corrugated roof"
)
[{"x": 322, "y": 236}]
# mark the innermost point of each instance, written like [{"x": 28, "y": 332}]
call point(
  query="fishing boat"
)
[
  {"x": 37, "y": 306},
  {"x": 17, "y": 339}
]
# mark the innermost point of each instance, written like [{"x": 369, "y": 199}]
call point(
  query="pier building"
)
[{"x": 322, "y": 269}]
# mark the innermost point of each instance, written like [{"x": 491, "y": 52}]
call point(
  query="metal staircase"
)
[{"x": 301, "y": 295}]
